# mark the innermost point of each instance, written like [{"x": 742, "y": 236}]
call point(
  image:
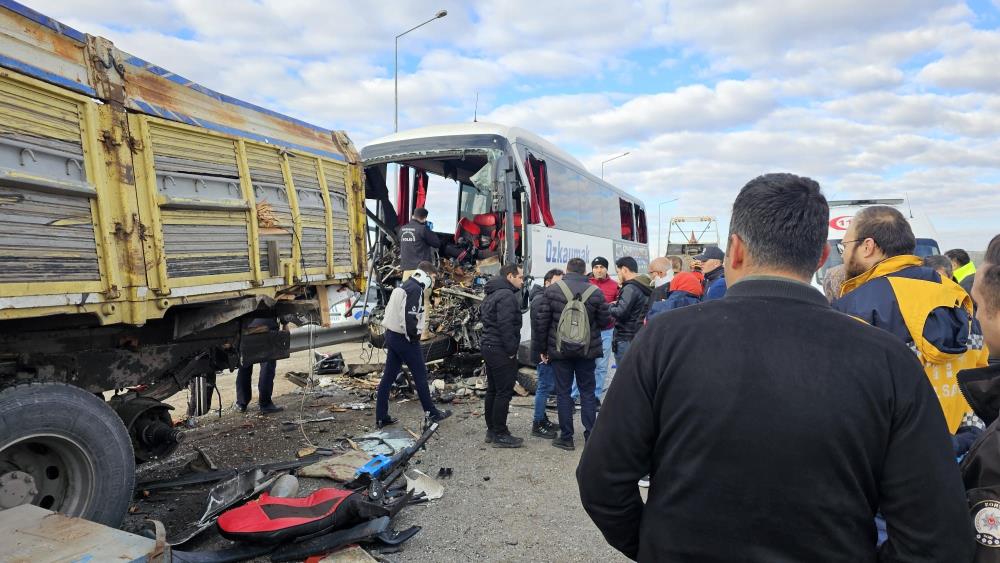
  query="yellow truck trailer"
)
[{"x": 145, "y": 220}]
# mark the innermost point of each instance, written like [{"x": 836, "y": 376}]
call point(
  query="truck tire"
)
[
  {"x": 528, "y": 378},
  {"x": 66, "y": 450}
]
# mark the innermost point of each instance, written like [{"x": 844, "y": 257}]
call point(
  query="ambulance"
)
[{"x": 841, "y": 213}]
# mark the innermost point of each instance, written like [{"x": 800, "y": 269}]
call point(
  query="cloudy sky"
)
[{"x": 871, "y": 98}]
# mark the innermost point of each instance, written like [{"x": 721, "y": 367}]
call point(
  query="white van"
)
[{"x": 841, "y": 213}]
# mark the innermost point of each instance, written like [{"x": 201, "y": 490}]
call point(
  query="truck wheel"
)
[
  {"x": 528, "y": 378},
  {"x": 65, "y": 450}
]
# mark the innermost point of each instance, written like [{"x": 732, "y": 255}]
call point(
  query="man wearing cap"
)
[
  {"x": 629, "y": 309},
  {"x": 709, "y": 263},
  {"x": 609, "y": 289}
]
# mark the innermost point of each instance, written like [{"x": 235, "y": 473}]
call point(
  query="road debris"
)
[
  {"x": 419, "y": 482},
  {"x": 292, "y": 424},
  {"x": 340, "y": 468},
  {"x": 202, "y": 463}
]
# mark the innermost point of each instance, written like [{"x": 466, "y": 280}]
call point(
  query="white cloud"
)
[{"x": 870, "y": 98}]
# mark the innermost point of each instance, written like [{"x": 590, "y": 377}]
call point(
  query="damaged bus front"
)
[{"x": 496, "y": 195}]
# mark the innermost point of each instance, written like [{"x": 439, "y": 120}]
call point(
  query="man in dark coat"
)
[
  {"x": 981, "y": 386},
  {"x": 629, "y": 309},
  {"x": 501, "y": 317},
  {"x": 265, "y": 384},
  {"x": 783, "y": 443},
  {"x": 710, "y": 264},
  {"x": 570, "y": 363},
  {"x": 416, "y": 240}
]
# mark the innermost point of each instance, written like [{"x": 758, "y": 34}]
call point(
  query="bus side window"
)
[{"x": 628, "y": 226}]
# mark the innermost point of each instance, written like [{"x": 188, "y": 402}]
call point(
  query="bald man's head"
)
[{"x": 661, "y": 270}]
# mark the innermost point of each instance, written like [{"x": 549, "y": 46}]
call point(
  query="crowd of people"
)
[{"x": 770, "y": 421}]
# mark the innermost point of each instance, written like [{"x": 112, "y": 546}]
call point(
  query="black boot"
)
[
  {"x": 490, "y": 436},
  {"x": 563, "y": 443},
  {"x": 542, "y": 430},
  {"x": 507, "y": 441}
]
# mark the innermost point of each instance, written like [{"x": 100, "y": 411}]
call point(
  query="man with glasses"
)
[
  {"x": 889, "y": 287},
  {"x": 661, "y": 271},
  {"x": 501, "y": 317}
]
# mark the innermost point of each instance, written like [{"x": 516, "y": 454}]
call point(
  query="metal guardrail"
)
[{"x": 340, "y": 334}]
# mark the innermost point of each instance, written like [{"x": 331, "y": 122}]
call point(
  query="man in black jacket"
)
[
  {"x": 780, "y": 445},
  {"x": 629, "y": 310},
  {"x": 501, "y": 316},
  {"x": 570, "y": 363},
  {"x": 981, "y": 386},
  {"x": 415, "y": 242}
]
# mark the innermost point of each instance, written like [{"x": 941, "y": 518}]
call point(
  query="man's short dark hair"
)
[
  {"x": 551, "y": 274},
  {"x": 420, "y": 213},
  {"x": 627, "y": 262},
  {"x": 427, "y": 267},
  {"x": 509, "y": 269},
  {"x": 960, "y": 256},
  {"x": 887, "y": 227},
  {"x": 993, "y": 251},
  {"x": 576, "y": 266},
  {"x": 783, "y": 219},
  {"x": 938, "y": 262}
]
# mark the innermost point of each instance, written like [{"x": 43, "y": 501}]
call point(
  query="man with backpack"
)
[
  {"x": 629, "y": 309},
  {"x": 566, "y": 331}
]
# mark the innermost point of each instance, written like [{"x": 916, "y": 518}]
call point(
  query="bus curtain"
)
[
  {"x": 403, "y": 195},
  {"x": 640, "y": 224},
  {"x": 539, "y": 179},
  {"x": 420, "y": 180}
]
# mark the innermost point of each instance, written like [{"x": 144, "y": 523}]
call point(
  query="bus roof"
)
[
  {"x": 515, "y": 135},
  {"x": 512, "y": 134}
]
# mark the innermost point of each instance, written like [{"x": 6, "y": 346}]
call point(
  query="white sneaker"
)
[{"x": 644, "y": 482}]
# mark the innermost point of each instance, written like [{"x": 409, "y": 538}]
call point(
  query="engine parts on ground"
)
[{"x": 149, "y": 425}]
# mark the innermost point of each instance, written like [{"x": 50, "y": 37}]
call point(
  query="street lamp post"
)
[
  {"x": 609, "y": 160},
  {"x": 395, "y": 67},
  {"x": 659, "y": 225}
]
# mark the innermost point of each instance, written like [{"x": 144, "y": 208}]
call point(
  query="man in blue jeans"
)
[
  {"x": 609, "y": 288},
  {"x": 541, "y": 426},
  {"x": 573, "y": 347}
]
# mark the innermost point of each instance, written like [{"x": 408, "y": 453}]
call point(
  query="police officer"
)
[{"x": 416, "y": 239}]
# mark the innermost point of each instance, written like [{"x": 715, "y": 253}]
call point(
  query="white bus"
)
[
  {"x": 506, "y": 184},
  {"x": 516, "y": 198}
]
